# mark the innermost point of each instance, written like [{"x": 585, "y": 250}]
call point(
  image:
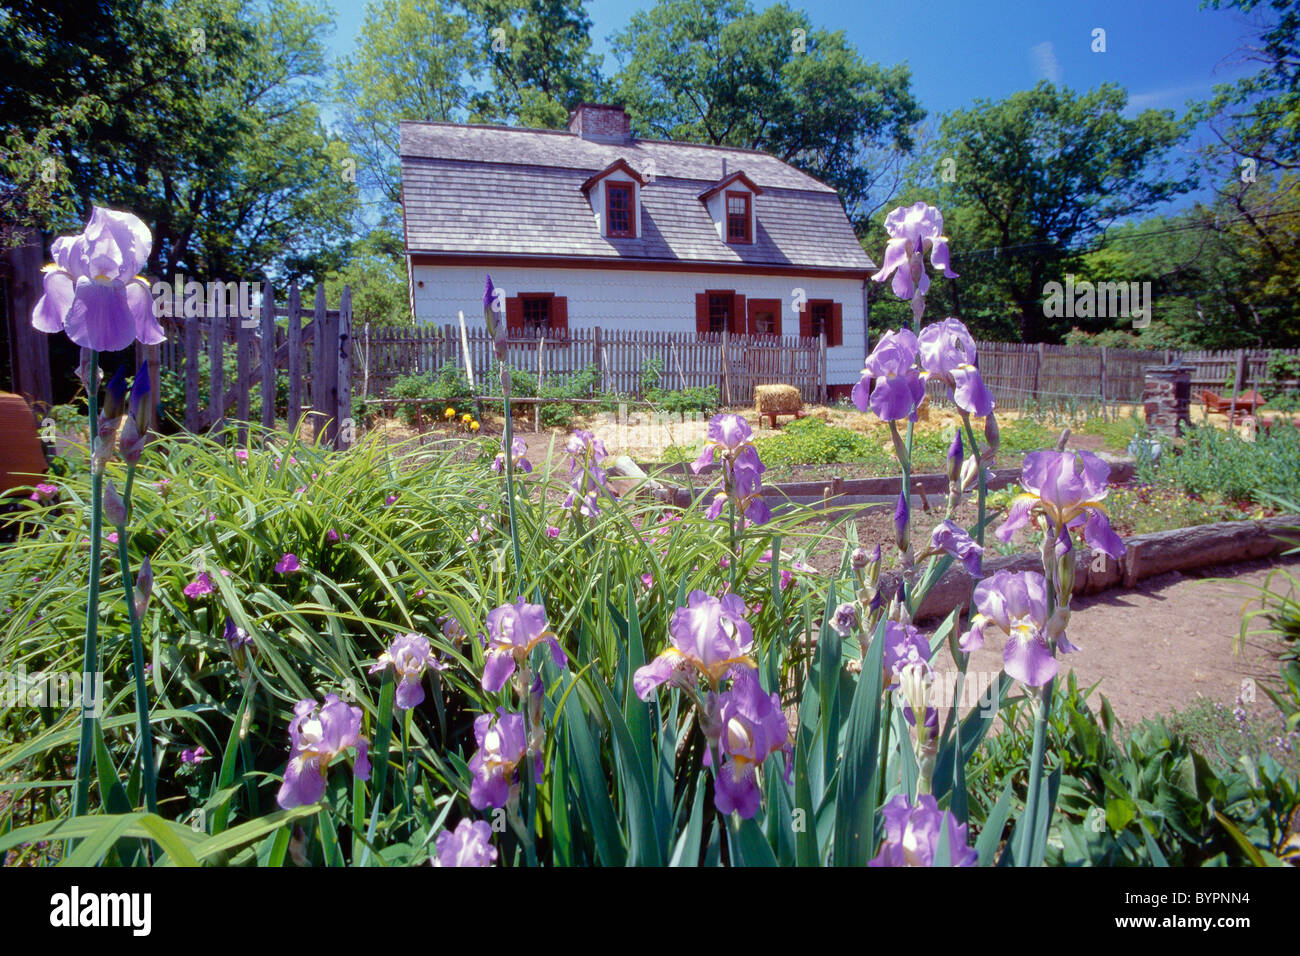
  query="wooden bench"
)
[{"x": 1245, "y": 404}]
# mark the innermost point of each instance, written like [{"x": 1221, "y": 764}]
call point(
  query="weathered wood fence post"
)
[
  {"x": 268, "y": 356},
  {"x": 343, "y": 377},
  {"x": 294, "y": 340}
]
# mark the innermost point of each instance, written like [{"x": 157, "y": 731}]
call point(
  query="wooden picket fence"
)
[
  {"x": 312, "y": 345},
  {"x": 1020, "y": 373},
  {"x": 733, "y": 363}
]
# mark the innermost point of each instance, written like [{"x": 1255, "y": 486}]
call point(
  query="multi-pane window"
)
[
  {"x": 720, "y": 306},
  {"x": 738, "y": 217},
  {"x": 537, "y": 313},
  {"x": 819, "y": 319},
  {"x": 764, "y": 322},
  {"x": 618, "y": 209}
]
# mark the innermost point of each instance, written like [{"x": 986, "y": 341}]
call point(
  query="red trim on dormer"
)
[
  {"x": 618, "y": 165},
  {"x": 737, "y": 177}
]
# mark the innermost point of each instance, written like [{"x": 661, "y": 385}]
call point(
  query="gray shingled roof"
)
[{"x": 495, "y": 190}]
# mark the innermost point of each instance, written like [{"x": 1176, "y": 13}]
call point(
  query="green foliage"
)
[
  {"x": 199, "y": 116},
  {"x": 704, "y": 400},
  {"x": 811, "y": 441},
  {"x": 448, "y": 389},
  {"x": 1145, "y": 797},
  {"x": 1282, "y": 372},
  {"x": 720, "y": 72},
  {"x": 1041, "y": 174},
  {"x": 1219, "y": 464}
]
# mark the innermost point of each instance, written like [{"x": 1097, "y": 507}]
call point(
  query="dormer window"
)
[
  {"x": 615, "y": 197},
  {"x": 730, "y": 203},
  {"x": 620, "y": 202},
  {"x": 738, "y": 217}
]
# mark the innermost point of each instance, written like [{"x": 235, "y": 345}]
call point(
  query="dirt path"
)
[{"x": 1159, "y": 646}]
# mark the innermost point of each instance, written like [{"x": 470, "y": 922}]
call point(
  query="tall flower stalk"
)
[{"x": 92, "y": 292}]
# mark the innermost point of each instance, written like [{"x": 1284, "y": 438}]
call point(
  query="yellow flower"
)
[
  {"x": 473, "y": 426},
  {"x": 449, "y": 414}
]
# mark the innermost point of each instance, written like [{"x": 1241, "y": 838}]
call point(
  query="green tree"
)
[
  {"x": 415, "y": 60},
  {"x": 715, "y": 71},
  {"x": 1258, "y": 117},
  {"x": 375, "y": 270},
  {"x": 197, "y": 115},
  {"x": 539, "y": 60},
  {"x": 1036, "y": 179}
]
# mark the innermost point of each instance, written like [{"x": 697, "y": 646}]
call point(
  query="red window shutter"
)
[
  {"x": 751, "y": 320},
  {"x": 560, "y": 314},
  {"x": 805, "y": 320},
  {"x": 776, "y": 318},
  {"x": 701, "y": 313},
  {"x": 514, "y": 315},
  {"x": 836, "y": 334},
  {"x": 738, "y": 315}
]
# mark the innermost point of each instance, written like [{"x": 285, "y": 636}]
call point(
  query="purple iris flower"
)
[
  {"x": 502, "y": 747},
  {"x": 731, "y": 436},
  {"x": 904, "y": 645},
  {"x": 914, "y": 230},
  {"x": 902, "y": 522},
  {"x": 496, "y": 325},
  {"x": 1068, "y": 487},
  {"x": 753, "y": 727},
  {"x": 1016, "y": 604},
  {"x": 728, "y": 433},
  {"x": 517, "y": 451},
  {"x": 912, "y": 833},
  {"x": 953, "y": 538},
  {"x": 513, "y": 631},
  {"x": 409, "y": 656},
  {"x": 899, "y": 388},
  {"x": 317, "y": 735},
  {"x": 955, "y": 455},
  {"x": 586, "y": 477},
  {"x": 93, "y": 291},
  {"x": 470, "y": 844},
  {"x": 709, "y": 637},
  {"x": 948, "y": 354}
]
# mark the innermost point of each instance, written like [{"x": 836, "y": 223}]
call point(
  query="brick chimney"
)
[{"x": 600, "y": 122}]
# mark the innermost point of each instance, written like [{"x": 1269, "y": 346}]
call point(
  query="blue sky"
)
[{"x": 1163, "y": 51}]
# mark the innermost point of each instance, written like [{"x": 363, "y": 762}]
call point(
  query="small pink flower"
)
[
  {"x": 300, "y": 489},
  {"x": 331, "y": 535},
  {"x": 212, "y": 515},
  {"x": 648, "y": 580},
  {"x": 724, "y": 563},
  {"x": 44, "y": 493},
  {"x": 288, "y": 564},
  {"x": 241, "y": 454},
  {"x": 112, "y": 537},
  {"x": 390, "y": 499},
  {"x": 193, "y": 756},
  {"x": 786, "y": 578},
  {"x": 163, "y": 486},
  {"x": 199, "y": 586},
  {"x": 552, "y": 531},
  {"x": 225, "y": 573}
]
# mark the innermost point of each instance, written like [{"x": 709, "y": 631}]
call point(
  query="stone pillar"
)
[{"x": 1166, "y": 398}]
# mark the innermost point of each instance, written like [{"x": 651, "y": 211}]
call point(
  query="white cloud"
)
[
  {"x": 1170, "y": 96},
  {"x": 1045, "y": 61}
]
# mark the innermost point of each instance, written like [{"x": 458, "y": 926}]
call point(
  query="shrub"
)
[
  {"x": 1220, "y": 464},
  {"x": 811, "y": 441}
]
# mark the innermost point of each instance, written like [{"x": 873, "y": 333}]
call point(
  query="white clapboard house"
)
[{"x": 593, "y": 227}]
